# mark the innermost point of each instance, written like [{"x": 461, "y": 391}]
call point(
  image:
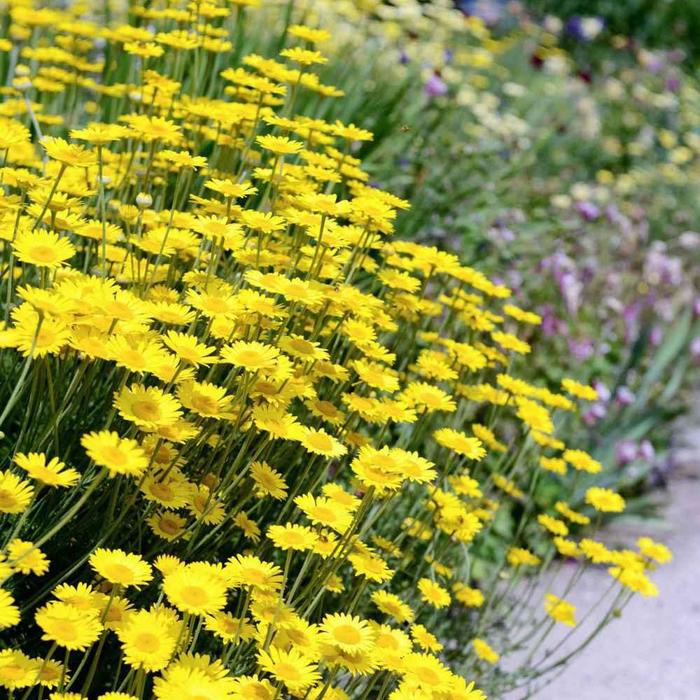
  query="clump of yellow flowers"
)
[{"x": 254, "y": 446}]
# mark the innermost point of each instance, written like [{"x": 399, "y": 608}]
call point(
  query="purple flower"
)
[
  {"x": 656, "y": 336},
  {"x": 587, "y": 210},
  {"x": 673, "y": 84},
  {"x": 551, "y": 324},
  {"x": 594, "y": 414},
  {"x": 625, "y": 452},
  {"x": 602, "y": 389},
  {"x": 581, "y": 350},
  {"x": 660, "y": 268},
  {"x": 499, "y": 232},
  {"x": 630, "y": 317},
  {"x": 435, "y": 86},
  {"x": 646, "y": 451},
  {"x": 624, "y": 396},
  {"x": 571, "y": 289},
  {"x": 564, "y": 272}
]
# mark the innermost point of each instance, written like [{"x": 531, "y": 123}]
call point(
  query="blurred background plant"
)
[{"x": 561, "y": 156}]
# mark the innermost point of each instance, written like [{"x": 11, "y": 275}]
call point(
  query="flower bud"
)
[{"x": 143, "y": 200}]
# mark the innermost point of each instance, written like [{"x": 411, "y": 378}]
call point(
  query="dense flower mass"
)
[{"x": 256, "y": 445}]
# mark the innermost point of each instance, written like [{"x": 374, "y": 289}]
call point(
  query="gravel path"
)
[{"x": 653, "y": 652}]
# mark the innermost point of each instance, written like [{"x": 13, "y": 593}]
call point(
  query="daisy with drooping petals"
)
[
  {"x": 252, "y": 356},
  {"x": 320, "y": 442},
  {"x": 246, "y": 570},
  {"x": 51, "y": 473},
  {"x": 189, "y": 349},
  {"x": 268, "y": 481},
  {"x": 121, "y": 568}
]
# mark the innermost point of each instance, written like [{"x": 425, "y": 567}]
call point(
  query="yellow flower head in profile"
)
[
  {"x": 280, "y": 145},
  {"x": 252, "y": 356},
  {"x": 605, "y": 500},
  {"x": 470, "y": 447},
  {"x": 655, "y": 551},
  {"x": 471, "y": 597},
  {"x": 560, "y": 610},
  {"x": 305, "y": 57},
  {"x": 517, "y": 556},
  {"x": 634, "y": 580},
  {"x": 553, "y": 464},
  {"x": 554, "y": 525},
  {"x": 581, "y": 391},
  {"x": 268, "y": 481},
  {"x": 428, "y": 673},
  {"x": 484, "y": 651},
  {"x": 188, "y": 349},
  {"x": 535, "y": 416},
  {"x": 425, "y": 639},
  {"x": 68, "y": 153},
  {"x": 582, "y": 461},
  {"x": 370, "y": 566},
  {"x": 81, "y": 596},
  {"x": 319, "y": 442},
  {"x": 17, "y": 670},
  {"x": 51, "y": 473},
  {"x": 310, "y": 34},
  {"x": 324, "y": 511},
  {"x": 249, "y": 571},
  {"x": 121, "y": 568},
  {"x": 391, "y": 604}
]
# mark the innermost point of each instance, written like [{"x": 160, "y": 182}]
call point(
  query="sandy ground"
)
[{"x": 653, "y": 651}]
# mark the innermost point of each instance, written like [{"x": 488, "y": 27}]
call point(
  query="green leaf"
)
[{"x": 675, "y": 341}]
